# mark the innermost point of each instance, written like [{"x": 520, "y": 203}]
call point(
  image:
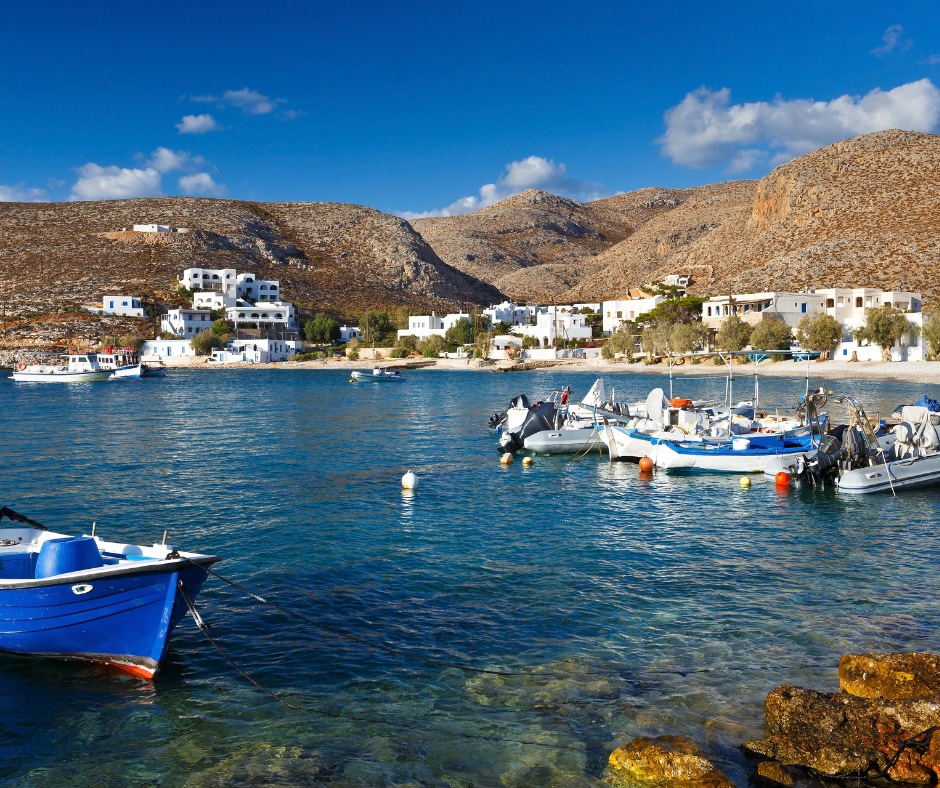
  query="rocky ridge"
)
[
  {"x": 345, "y": 258},
  {"x": 859, "y": 213}
]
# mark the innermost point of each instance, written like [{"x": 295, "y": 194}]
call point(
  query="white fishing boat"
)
[
  {"x": 80, "y": 368},
  {"x": 378, "y": 376},
  {"x": 124, "y": 362}
]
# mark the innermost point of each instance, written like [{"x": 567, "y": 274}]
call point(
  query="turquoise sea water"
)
[{"x": 665, "y": 604}]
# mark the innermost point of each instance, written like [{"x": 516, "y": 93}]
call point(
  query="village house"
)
[
  {"x": 255, "y": 351},
  {"x": 250, "y": 287},
  {"x": 186, "y": 322},
  {"x": 627, "y": 309},
  {"x": 220, "y": 279},
  {"x": 164, "y": 349},
  {"x": 557, "y": 323},
  {"x": 278, "y": 315},
  {"x": 349, "y": 332},
  {"x": 119, "y": 305},
  {"x": 424, "y": 326}
]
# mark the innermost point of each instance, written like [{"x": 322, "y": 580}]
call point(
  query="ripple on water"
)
[{"x": 631, "y": 605}]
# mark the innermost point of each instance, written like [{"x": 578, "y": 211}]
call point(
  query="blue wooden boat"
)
[{"x": 84, "y": 598}]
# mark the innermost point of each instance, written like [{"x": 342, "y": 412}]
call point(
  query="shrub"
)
[
  {"x": 130, "y": 340},
  {"x": 399, "y": 352},
  {"x": 718, "y": 361},
  {"x": 695, "y": 360},
  {"x": 606, "y": 352},
  {"x": 733, "y": 334},
  {"x": 483, "y": 345},
  {"x": 432, "y": 346},
  {"x": 771, "y": 335},
  {"x": 223, "y": 326},
  {"x": 205, "y": 342},
  {"x": 529, "y": 342},
  {"x": 408, "y": 341},
  {"x": 819, "y": 333}
]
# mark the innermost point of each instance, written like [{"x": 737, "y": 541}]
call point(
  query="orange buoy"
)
[
  {"x": 782, "y": 479},
  {"x": 646, "y": 464}
]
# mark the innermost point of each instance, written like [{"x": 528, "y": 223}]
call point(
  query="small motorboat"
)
[
  {"x": 80, "y": 368},
  {"x": 153, "y": 370},
  {"x": 123, "y": 361},
  {"x": 84, "y": 598},
  {"x": 378, "y": 375}
]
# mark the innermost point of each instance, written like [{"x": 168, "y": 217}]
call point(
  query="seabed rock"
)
[
  {"x": 663, "y": 762},
  {"x": 890, "y": 675}
]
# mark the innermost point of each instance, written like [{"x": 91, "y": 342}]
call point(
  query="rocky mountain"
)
[
  {"x": 536, "y": 245},
  {"x": 344, "y": 258},
  {"x": 862, "y": 212}
]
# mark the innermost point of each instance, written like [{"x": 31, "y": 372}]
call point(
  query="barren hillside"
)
[
  {"x": 341, "y": 257},
  {"x": 862, "y": 212},
  {"x": 536, "y": 245}
]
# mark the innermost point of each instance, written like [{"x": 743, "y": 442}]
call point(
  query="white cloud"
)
[
  {"x": 197, "y": 124},
  {"x": 114, "y": 183},
  {"x": 892, "y": 40},
  {"x": 933, "y": 60},
  {"x": 705, "y": 129},
  {"x": 166, "y": 160},
  {"x": 251, "y": 102},
  {"x": 19, "y": 193},
  {"x": 201, "y": 183},
  {"x": 533, "y": 172}
]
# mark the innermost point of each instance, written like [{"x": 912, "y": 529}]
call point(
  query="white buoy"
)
[
  {"x": 409, "y": 481},
  {"x": 506, "y": 459}
]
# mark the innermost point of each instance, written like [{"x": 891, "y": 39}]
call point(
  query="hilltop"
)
[
  {"x": 859, "y": 213},
  {"x": 345, "y": 258}
]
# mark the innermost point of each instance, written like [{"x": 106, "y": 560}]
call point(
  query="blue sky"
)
[{"x": 430, "y": 107}]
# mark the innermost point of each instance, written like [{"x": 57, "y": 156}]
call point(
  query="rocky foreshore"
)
[{"x": 882, "y": 727}]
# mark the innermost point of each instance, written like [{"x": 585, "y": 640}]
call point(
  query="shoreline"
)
[{"x": 902, "y": 371}]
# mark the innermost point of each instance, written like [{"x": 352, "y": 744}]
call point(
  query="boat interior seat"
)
[{"x": 18, "y": 566}]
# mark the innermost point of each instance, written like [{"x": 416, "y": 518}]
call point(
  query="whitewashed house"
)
[
  {"x": 678, "y": 280},
  {"x": 424, "y": 326},
  {"x": 850, "y": 306},
  {"x": 254, "y": 289},
  {"x": 349, "y": 332},
  {"x": 255, "y": 351},
  {"x": 511, "y": 312},
  {"x": 278, "y": 315},
  {"x": 213, "y": 299},
  {"x": 791, "y": 308},
  {"x": 626, "y": 309},
  {"x": 166, "y": 349},
  {"x": 122, "y": 305},
  {"x": 218, "y": 279},
  {"x": 158, "y": 228},
  {"x": 556, "y": 323},
  {"x": 186, "y": 322}
]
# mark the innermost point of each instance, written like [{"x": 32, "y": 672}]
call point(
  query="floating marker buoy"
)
[
  {"x": 646, "y": 464},
  {"x": 409, "y": 481},
  {"x": 745, "y": 482},
  {"x": 351, "y": 380},
  {"x": 782, "y": 479},
  {"x": 527, "y": 461},
  {"x": 506, "y": 459}
]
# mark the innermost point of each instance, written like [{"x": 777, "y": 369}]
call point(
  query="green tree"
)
[
  {"x": 204, "y": 342},
  {"x": 321, "y": 330},
  {"x": 483, "y": 345},
  {"x": 432, "y": 346},
  {"x": 733, "y": 334},
  {"x": 883, "y": 327},
  {"x": 461, "y": 333},
  {"x": 932, "y": 331},
  {"x": 222, "y": 327},
  {"x": 374, "y": 325},
  {"x": 686, "y": 337},
  {"x": 352, "y": 349},
  {"x": 409, "y": 341},
  {"x": 819, "y": 333},
  {"x": 529, "y": 342},
  {"x": 771, "y": 335},
  {"x": 676, "y": 310}
]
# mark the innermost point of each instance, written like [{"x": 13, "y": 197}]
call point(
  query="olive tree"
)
[
  {"x": 734, "y": 334},
  {"x": 883, "y": 327},
  {"x": 432, "y": 346},
  {"x": 771, "y": 335},
  {"x": 819, "y": 333},
  {"x": 932, "y": 331},
  {"x": 205, "y": 342},
  {"x": 686, "y": 337}
]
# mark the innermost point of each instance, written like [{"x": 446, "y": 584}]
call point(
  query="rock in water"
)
[
  {"x": 663, "y": 762},
  {"x": 890, "y": 675},
  {"x": 838, "y": 733}
]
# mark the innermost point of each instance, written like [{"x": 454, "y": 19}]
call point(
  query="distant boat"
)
[
  {"x": 378, "y": 376},
  {"x": 81, "y": 368},
  {"x": 84, "y": 598},
  {"x": 123, "y": 361}
]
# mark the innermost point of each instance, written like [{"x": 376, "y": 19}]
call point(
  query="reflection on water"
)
[{"x": 630, "y": 603}]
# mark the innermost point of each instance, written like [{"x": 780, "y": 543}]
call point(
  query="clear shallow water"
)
[{"x": 639, "y": 606}]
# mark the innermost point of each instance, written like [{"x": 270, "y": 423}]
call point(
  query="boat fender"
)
[
  {"x": 646, "y": 464},
  {"x": 21, "y": 366},
  {"x": 782, "y": 479},
  {"x": 506, "y": 459}
]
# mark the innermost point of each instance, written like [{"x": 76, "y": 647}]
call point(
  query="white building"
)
[
  {"x": 158, "y": 228},
  {"x": 678, "y": 280},
  {"x": 278, "y": 315},
  {"x": 125, "y": 306},
  {"x": 752, "y": 307},
  {"x": 512, "y": 313},
  {"x": 254, "y": 289},
  {"x": 350, "y": 332},
  {"x": 594, "y": 307},
  {"x": 164, "y": 349},
  {"x": 627, "y": 309},
  {"x": 186, "y": 322},
  {"x": 213, "y": 299},
  {"x": 221, "y": 279},
  {"x": 423, "y": 326},
  {"x": 556, "y": 323},
  {"x": 255, "y": 351}
]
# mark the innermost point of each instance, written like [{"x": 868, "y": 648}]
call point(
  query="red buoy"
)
[
  {"x": 782, "y": 479},
  {"x": 646, "y": 464}
]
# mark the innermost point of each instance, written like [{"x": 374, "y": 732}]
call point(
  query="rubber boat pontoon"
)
[{"x": 83, "y": 598}]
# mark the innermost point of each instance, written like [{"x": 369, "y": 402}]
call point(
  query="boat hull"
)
[
  {"x": 896, "y": 475},
  {"x": 377, "y": 378},
  {"x": 669, "y": 456},
  {"x": 61, "y": 377},
  {"x": 133, "y": 371},
  {"x": 562, "y": 441},
  {"x": 124, "y": 620}
]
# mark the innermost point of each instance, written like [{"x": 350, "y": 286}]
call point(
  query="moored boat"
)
[
  {"x": 378, "y": 376},
  {"x": 80, "y": 368},
  {"x": 88, "y": 599}
]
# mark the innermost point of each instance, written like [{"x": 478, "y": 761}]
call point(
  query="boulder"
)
[
  {"x": 839, "y": 733},
  {"x": 771, "y": 774},
  {"x": 663, "y": 762},
  {"x": 890, "y": 675}
]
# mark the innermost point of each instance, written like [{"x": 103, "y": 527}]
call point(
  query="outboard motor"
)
[
  {"x": 519, "y": 402},
  {"x": 816, "y": 467},
  {"x": 541, "y": 417}
]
